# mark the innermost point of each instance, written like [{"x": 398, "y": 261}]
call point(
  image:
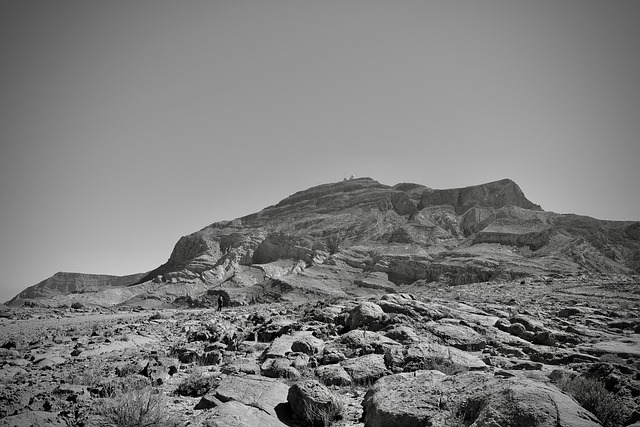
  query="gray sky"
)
[{"x": 127, "y": 124}]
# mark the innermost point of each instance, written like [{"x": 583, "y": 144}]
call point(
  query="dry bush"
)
[
  {"x": 118, "y": 385},
  {"x": 158, "y": 315},
  {"x": 333, "y": 244},
  {"x": 144, "y": 407},
  {"x": 464, "y": 413},
  {"x": 196, "y": 384},
  {"x": 324, "y": 415},
  {"x": 90, "y": 374},
  {"x": 592, "y": 395}
]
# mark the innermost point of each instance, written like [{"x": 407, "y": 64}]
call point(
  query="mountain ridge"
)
[{"x": 400, "y": 234}]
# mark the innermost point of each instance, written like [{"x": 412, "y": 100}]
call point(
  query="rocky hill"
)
[
  {"x": 343, "y": 238},
  {"x": 383, "y": 307}
]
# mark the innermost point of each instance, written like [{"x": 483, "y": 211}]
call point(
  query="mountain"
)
[{"x": 359, "y": 236}]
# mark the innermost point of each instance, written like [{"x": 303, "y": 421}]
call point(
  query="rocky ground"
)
[{"x": 559, "y": 350}]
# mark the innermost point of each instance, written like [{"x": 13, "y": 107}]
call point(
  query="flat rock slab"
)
[
  {"x": 282, "y": 345},
  {"x": 365, "y": 369},
  {"x": 437, "y": 352},
  {"x": 259, "y": 392},
  {"x": 432, "y": 398},
  {"x": 240, "y": 415},
  {"x": 627, "y": 346},
  {"x": 459, "y": 336},
  {"x": 33, "y": 418},
  {"x": 133, "y": 341}
]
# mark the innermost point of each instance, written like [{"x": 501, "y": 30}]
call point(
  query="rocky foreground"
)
[{"x": 561, "y": 350}]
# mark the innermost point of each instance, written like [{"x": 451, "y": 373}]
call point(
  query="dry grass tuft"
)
[
  {"x": 592, "y": 395},
  {"x": 144, "y": 407}
]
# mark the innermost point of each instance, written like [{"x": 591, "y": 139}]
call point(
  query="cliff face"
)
[
  {"x": 331, "y": 237},
  {"x": 63, "y": 283}
]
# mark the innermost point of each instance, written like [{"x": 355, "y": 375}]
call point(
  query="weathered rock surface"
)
[
  {"x": 361, "y": 236},
  {"x": 460, "y": 333},
  {"x": 432, "y": 398}
]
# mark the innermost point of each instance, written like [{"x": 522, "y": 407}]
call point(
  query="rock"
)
[
  {"x": 333, "y": 375},
  {"x": 238, "y": 414},
  {"x": 366, "y": 314},
  {"x": 312, "y": 403},
  {"x": 208, "y": 401},
  {"x": 503, "y": 324},
  {"x": 359, "y": 342},
  {"x": 459, "y": 336},
  {"x": 13, "y": 400},
  {"x": 432, "y": 398},
  {"x": 332, "y": 355},
  {"x": 529, "y": 323},
  {"x": 517, "y": 329},
  {"x": 259, "y": 392},
  {"x": 365, "y": 369},
  {"x": 428, "y": 355},
  {"x": 72, "y": 392},
  {"x": 569, "y": 311},
  {"x": 402, "y": 334},
  {"x": 279, "y": 367},
  {"x": 7, "y": 372},
  {"x": 48, "y": 361},
  {"x": 308, "y": 344},
  {"x": 9, "y": 344},
  {"x": 403, "y": 400},
  {"x": 545, "y": 338},
  {"x": 33, "y": 418},
  {"x": 157, "y": 373},
  {"x": 274, "y": 328},
  {"x": 282, "y": 345},
  {"x": 407, "y": 304},
  {"x": 247, "y": 366}
]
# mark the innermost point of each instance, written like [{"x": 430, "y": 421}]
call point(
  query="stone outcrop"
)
[
  {"x": 433, "y": 398},
  {"x": 359, "y": 236}
]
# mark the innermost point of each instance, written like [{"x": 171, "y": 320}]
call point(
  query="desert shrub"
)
[
  {"x": 119, "y": 385},
  {"x": 196, "y": 384},
  {"x": 144, "y": 407},
  {"x": 592, "y": 395},
  {"x": 463, "y": 414},
  {"x": 324, "y": 415},
  {"x": 90, "y": 375},
  {"x": 333, "y": 244},
  {"x": 442, "y": 364},
  {"x": 158, "y": 316},
  {"x": 128, "y": 369}
]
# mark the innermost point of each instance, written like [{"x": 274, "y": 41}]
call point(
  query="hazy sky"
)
[{"x": 127, "y": 124}]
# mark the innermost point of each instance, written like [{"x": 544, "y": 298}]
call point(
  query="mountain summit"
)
[{"x": 357, "y": 235}]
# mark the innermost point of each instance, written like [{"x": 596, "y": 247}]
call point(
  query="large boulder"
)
[
  {"x": 366, "y": 369},
  {"x": 358, "y": 342},
  {"x": 333, "y": 375},
  {"x": 407, "y": 305},
  {"x": 433, "y": 398},
  {"x": 366, "y": 314},
  {"x": 430, "y": 355},
  {"x": 238, "y": 414},
  {"x": 262, "y": 393},
  {"x": 459, "y": 336}
]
